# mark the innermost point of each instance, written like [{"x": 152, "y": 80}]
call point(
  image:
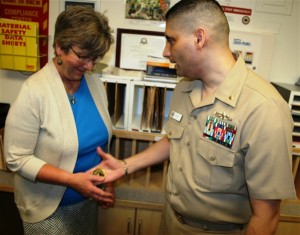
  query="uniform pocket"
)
[
  {"x": 218, "y": 165},
  {"x": 174, "y": 130}
]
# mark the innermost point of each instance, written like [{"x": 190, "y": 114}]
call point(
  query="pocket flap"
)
[
  {"x": 215, "y": 154},
  {"x": 173, "y": 130}
]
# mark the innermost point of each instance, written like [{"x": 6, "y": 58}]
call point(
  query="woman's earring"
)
[{"x": 59, "y": 61}]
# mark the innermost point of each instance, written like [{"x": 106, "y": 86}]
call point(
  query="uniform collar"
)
[{"x": 228, "y": 92}]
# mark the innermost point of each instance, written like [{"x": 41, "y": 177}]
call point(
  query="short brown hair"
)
[
  {"x": 84, "y": 27},
  {"x": 209, "y": 13}
]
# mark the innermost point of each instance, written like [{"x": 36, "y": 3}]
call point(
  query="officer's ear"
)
[{"x": 200, "y": 37}]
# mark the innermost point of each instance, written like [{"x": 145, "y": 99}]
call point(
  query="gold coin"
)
[{"x": 99, "y": 172}]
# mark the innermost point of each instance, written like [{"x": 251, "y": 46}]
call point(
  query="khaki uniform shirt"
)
[{"x": 231, "y": 148}]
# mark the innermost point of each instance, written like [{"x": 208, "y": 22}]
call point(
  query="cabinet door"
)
[
  {"x": 116, "y": 221},
  {"x": 147, "y": 222},
  {"x": 288, "y": 228}
]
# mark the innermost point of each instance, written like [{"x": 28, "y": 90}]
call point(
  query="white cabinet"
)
[
  {"x": 291, "y": 94},
  {"x": 138, "y": 105},
  {"x": 149, "y": 105},
  {"x": 118, "y": 101}
]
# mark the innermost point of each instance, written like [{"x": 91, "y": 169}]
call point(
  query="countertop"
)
[
  {"x": 290, "y": 209},
  {"x": 123, "y": 190}
]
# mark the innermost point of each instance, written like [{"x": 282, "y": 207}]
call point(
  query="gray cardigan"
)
[{"x": 39, "y": 129}]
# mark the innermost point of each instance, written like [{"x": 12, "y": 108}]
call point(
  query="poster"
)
[{"x": 153, "y": 10}]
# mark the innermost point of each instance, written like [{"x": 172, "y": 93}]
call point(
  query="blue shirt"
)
[{"x": 91, "y": 132}]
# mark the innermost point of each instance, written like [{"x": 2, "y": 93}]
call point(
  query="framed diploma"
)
[
  {"x": 134, "y": 46},
  {"x": 64, "y": 4}
]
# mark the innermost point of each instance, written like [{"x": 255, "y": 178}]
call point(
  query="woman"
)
[{"x": 53, "y": 128}]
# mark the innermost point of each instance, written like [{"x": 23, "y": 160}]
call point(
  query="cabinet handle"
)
[
  {"x": 128, "y": 225},
  {"x": 140, "y": 227}
]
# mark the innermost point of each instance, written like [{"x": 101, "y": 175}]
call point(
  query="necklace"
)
[
  {"x": 72, "y": 99},
  {"x": 70, "y": 94}
]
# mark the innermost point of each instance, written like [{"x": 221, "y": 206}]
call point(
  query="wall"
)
[{"x": 285, "y": 66}]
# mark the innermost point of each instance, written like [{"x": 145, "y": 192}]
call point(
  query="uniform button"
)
[
  {"x": 170, "y": 132},
  {"x": 231, "y": 97},
  {"x": 195, "y": 117},
  {"x": 188, "y": 143},
  {"x": 205, "y": 227},
  {"x": 180, "y": 169},
  {"x": 212, "y": 158}
]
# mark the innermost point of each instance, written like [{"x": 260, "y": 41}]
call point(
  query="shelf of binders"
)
[{"x": 149, "y": 106}]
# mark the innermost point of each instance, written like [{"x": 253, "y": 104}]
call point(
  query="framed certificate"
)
[
  {"x": 64, "y": 4},
  {"x": 134, "y": 46}
]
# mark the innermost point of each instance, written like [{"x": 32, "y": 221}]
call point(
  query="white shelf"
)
[
  {"x": 296, "y": 103},
  {"x": 126, "y": 103},
  {"x": 296, "y": 124},
  {"x": 296, "y": 112},
  {"x": 291, "y": 94}
]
